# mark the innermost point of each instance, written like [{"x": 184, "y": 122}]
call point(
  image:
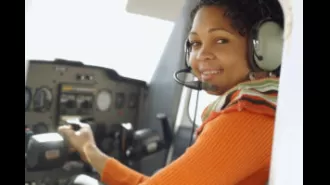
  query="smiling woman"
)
[
  {"x": 98, "y": 33},
  {"x": 234, "y": 142}
]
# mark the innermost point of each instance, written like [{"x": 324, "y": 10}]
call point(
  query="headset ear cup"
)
[
  {"x": 267, "y": 45},
  {"x": 251, "y": 52}
]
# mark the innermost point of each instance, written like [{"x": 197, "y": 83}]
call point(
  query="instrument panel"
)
[
  {"x": 61, "y": 89},
  {"x": 56, "y": 90}
]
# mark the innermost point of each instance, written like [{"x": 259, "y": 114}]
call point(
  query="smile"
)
[{"x": 209, "y": 74}]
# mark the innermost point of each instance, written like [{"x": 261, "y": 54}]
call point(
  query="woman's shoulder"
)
[
  {"x": 244, "y": 116},
  {"x": 258, "y": 96},
  {"x": 257, "y": 99},
  {"x": 235, "y": 118}
]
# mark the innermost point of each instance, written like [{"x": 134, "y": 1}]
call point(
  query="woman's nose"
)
[{"x": 205, "y": 53}]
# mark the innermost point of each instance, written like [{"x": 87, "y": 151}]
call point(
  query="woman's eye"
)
[
  {"x": 194, "y": 43},
  {"x": 222, "y": 41}
]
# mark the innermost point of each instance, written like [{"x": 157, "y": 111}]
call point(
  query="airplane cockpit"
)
[
  {"x": 111, "y": 103},
  {"x": 120, "y": 67}
]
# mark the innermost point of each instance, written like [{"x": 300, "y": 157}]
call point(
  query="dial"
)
[
  {"x": 103, "y": 100},
  {"x": 28, "y": 97},
  {"x": 42, "y": 99}
]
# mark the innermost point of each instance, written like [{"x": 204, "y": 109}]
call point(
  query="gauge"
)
[
  {"x": 103, "y": 100},
  {"x": 42, "y": 99},
  {"x": 28, "y": 97}
]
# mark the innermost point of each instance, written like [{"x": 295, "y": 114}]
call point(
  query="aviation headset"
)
[{"x": 265, "y": 47}]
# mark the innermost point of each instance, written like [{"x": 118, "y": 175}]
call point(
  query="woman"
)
[{"x": 235, "y": 140}]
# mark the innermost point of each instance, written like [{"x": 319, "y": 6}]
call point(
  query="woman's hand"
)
[
  {"x": 83, "y": 142},
  {"x": 80, "y": 139}
]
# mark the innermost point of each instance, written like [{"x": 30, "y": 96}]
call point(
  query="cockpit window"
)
[{"x": 99, "y": 33}]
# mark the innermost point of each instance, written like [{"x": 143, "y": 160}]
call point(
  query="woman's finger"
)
[{"x": 66, "y": 131}]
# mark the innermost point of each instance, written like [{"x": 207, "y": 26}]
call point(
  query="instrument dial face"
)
[
  {"x": 42, "y": 99},
  {"x": 103, "y": 100}
]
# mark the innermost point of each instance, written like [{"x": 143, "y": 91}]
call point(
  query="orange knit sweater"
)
[{"x": 233, "y": 148}]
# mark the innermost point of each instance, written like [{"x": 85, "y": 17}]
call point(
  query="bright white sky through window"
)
[{"x": 96, "y": 32}]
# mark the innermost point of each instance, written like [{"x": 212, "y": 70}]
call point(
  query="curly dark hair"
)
[{"x": 245, "y": 13}]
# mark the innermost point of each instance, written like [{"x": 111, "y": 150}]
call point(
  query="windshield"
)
[{"x": 99, "y": 33}]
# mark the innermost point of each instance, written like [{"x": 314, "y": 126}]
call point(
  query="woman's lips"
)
[{"x": 207, "y": 75}]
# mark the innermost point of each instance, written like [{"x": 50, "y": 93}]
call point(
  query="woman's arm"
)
[
  {"x": 116, "y": 172},
  {"x": 231, "y": 148},
  {"x": 95, "y": 157}
]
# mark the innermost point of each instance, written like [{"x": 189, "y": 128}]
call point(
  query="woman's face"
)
[{"x": 218, "y": 54}]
